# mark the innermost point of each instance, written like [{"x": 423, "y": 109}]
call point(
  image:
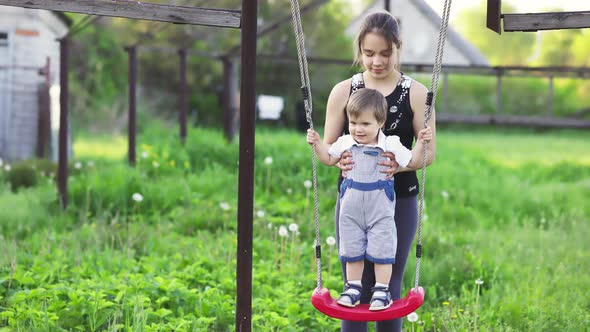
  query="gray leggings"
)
[{"x": 406, "y": 221}]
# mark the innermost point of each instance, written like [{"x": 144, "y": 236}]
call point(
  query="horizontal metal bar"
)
[
  {"x": 513, "y": 120},
  {"x": 137, "y": 10},
  {"x": 572, "y": 72}
]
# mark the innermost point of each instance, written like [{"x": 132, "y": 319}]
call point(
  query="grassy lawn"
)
[{"x": 504, "y": 207}]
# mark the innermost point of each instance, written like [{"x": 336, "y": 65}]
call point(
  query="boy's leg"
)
[
  {"x": 383, "y": 273},
  {"x": 352, "y": 291},
  {"x": 346, "y": 325},
  {"x": 354, "y": 271}
]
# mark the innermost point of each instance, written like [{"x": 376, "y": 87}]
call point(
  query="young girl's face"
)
[
  {"x": 378, "y": 57},
  {"x": 364, "y": 127}
]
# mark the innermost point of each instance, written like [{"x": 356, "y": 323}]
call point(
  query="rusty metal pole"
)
[
  {"x": 246, "y": 166},
  {"x": 550, "y": 108},
  {"x": 131, "y": 130},
  {"x": 62, "y": 168},
  {"x": 44, "y": 121},
  {"x": 230, "y": 97},
  {"x": 499, "y": 73},
  {"x": 183, "y": 96}
]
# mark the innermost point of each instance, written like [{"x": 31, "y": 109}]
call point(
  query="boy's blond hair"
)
[{"x": 367, "y": 100}]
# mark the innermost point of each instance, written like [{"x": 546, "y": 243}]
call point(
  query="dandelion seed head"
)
[
  {"x": 224, "y": 206},
  {"x": 78, "y": 165},
  {"x": 283, "y": 232},
  {"x": 90, "y": 163},
  {"x": 145, "y": 154},
  {"x": 479, "y": 281},
  {"x": 289, "y": 191},
  {"x": 294, "y": 228},
  {"x": 307, "y": 184},
  {"x": 137, "y": 197},
  {"x": 331, "y": 241},
  {"x": 260, "y": 214},
  {"x": 445, "y": 194},
  {"x": 7, "y": 167},
  {"x": 268, "y": 160},
  {"x": 413, "y": 317},
  {"x": 269, "y": 226}
]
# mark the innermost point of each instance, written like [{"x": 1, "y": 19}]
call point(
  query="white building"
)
[
  {"x": 27, "y": 45},
  {"x": 419, "y": 28}
]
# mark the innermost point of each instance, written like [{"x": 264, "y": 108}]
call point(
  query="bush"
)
[{"x": 25, "y": 174}]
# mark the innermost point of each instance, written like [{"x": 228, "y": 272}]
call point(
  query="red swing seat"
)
[{"x": 323, "y": 302}]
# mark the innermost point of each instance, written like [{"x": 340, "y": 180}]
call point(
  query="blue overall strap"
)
[{"x": 366, "y": 186}]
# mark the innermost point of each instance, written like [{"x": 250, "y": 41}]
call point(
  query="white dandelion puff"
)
[
  {"x": 479, "y": 281},
  {"x": 268, "y": 160},
  {"x": 307, "y": 184},
  {"x": 224, "y": 206},
  {"x": 78, "y": 165},
  {"x": 331, "y": 241},
  {"x": 445, "y": 194},
  {"x": 294, "y": 228},
  {"x": 137, "y": 197},
  {"x": 413, "y": 317},
  {"x": 145, "y": 154},
  {"x": 260, "y": 214},
  {"x": 283, "y": 232}
]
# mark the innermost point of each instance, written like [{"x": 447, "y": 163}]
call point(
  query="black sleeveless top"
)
[{"x": 399, "y": 122}]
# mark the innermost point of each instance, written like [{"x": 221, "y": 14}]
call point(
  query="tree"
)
[{"x": 512, "y": 48}]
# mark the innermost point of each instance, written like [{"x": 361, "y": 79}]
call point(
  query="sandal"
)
[
  {"x": 380, "y": 302},
  {"x": 355, "y": 298}
]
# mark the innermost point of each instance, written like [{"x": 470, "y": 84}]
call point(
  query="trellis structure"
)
[{"x": 246, "y": 20}]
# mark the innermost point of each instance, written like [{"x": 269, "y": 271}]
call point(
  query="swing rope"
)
[
  {"x": 442, "y": 34},
  {"x": 306, "y": 92}
]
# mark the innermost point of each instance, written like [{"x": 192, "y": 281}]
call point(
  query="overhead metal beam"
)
[
  {"x": 546, "y": 21},
  {"x": 137, "y": 10}
]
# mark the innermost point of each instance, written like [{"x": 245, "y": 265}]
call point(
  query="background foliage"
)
[{"x": 99, "y": 63}]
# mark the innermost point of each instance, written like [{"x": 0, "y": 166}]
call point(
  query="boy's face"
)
[{"x": 364, "y": 128}]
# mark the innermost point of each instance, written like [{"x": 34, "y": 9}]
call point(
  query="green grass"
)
[{"x": 506, "y": 206}]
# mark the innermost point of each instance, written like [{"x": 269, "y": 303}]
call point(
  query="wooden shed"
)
[{"x": 29, "y": 70}]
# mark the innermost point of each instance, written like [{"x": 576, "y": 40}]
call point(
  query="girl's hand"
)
[
  {"x": 345, "y": 163},
  {"x": 425, "y": 135},
  {"x": 313, "y": 137},
  {"x": 391, "y": 164}
]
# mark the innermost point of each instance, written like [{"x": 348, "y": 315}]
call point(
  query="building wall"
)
[
  {"x": 32, "y": 41},
  {"x": 418, "y": 33}
]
